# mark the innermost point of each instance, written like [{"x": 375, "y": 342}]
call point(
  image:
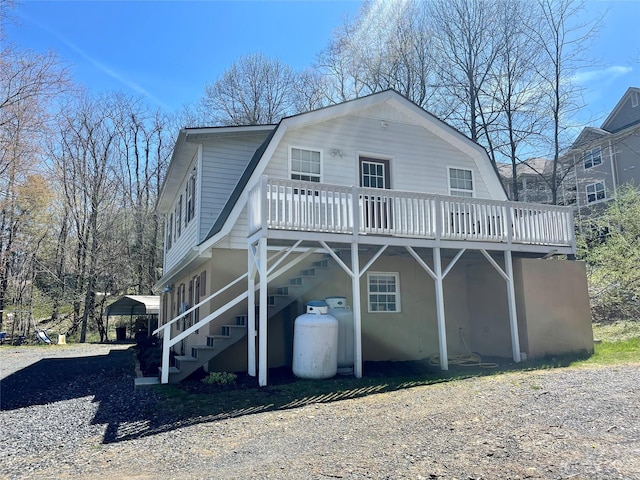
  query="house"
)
[
  {"x": 533, "y": 182},
  {"x": 607, "y": 157},
  {"x": 374, "y": 199}
]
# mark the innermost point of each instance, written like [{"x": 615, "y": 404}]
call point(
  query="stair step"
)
[
  {"x": 321, "y": 264},
  {"x": 171, "y": 370},
  {"x": 194, "y": 350},
  {"x": 241, "y": 320},
  {"x": 308, "y": 272},
  {"x": 296, "y": 282},
  {"x": 226, "y": 329},
  {"x": 212, "y": 338}
]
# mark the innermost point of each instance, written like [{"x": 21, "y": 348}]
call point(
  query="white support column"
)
[
  {"x": 262, "y": 326},
  {"x": 442, "y": 332},
  {"x": 251, "y": 312},
  {"x": 165, "y": 355},
  {"x": 511, "y": 297},
  {"x": 357, "y": 311}
]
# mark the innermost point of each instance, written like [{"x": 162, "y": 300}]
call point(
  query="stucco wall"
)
[
  {"x": 553, "y": 307},
  {"x": 489, "y": 331},
  {"x": 551, "y": 297}
]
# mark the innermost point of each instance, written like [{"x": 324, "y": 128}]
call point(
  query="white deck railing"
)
[{"x": 317, "y": 207}]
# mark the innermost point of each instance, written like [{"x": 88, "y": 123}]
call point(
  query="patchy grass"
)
[
  {"x": 195, "y": 398},
  {"x": 610, "y": 353},
  {"x": 616, "y": 331}
]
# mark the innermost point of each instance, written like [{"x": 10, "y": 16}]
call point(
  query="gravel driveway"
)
[{"x": 71, "y": 412}]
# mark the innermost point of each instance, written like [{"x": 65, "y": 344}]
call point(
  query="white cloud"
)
[{"x": 602, "y": 75}]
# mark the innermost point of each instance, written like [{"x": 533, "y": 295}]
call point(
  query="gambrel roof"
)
[{"x": 418, "y": 116}]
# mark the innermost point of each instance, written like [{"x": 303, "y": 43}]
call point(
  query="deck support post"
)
[
  {"x": 262, "y": 325},
  {"x": 442, "y": 331},
  {"x": 165, "y": 355},
  {"x": 357, "y": 311},
  {"x": 251, "y": 312},
  {"x": 511, "y": 298},
  {"x": 507, "y": 274}
]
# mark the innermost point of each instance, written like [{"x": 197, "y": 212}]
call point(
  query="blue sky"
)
[{"x": 168, "y": 51}]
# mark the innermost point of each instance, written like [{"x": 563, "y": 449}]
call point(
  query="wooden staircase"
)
[{"x": 282, "y": 296}]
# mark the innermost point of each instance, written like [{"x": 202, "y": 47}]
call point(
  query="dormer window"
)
[{"x": 591, "y": 158}]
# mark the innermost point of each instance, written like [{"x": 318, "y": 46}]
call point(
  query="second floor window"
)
[
  {"x": 591, "y": 158},
  {"x": 178, "y": 228},
  {"x": 305, "y": 165},
  {"x": 190, "y": 198},
  {"x": 460, "y": 182},
  {"x": 595, "y": 192},
  {"x": 170, "y": 231}
]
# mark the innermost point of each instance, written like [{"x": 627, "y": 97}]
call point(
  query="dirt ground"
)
[{"x": 74, "y": 414}]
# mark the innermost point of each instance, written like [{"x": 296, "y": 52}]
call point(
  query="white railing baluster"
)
[{"x": 314, "y": 207}]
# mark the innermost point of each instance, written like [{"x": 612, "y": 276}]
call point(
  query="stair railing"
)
[{"x": 168, "y": 342}]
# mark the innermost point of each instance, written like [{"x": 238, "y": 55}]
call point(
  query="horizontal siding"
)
[
  {"x": 189, "y": 234},
  {"x": 419, "y": 159},
  {"x": 181, "y": 247},
  {"x": 223, "y": 162}
]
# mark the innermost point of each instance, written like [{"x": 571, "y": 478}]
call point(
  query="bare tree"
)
[
  {"x": 254, "y": 90},
  {"x": 467, "y": 45},
  {"x": 563, "y": 42},
  {"x": 83, "y": 164},
  {"x": 29, "y": 83},
  {"x": 515, "y": 92},
  {"x": 387, "y": 46}
]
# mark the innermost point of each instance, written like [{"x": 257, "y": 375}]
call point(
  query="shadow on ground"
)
[
  {"x": 129, "y": 413},
  {"x": 107, "y": 379}
]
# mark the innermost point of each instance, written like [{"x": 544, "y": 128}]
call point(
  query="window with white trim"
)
[
  {"x": 592, "y": 158},
  {"x": 634, "y": 99},
  {"x": 191, "y": 197},
  {"x": 595, "y": 192},
  {"x": 383, "y": 292},
  {"x": 178, "y": 219},
  {"x": 305, "y": 164},
  {"x": 169, "y": 231},
  {"x": 460, "y": 182}
]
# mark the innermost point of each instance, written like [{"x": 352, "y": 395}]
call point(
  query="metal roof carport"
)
[{"x": 134, "y": 305}]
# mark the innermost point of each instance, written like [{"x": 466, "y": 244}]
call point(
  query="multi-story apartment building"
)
[
  {"x": 607, "y": 157},
  {"x": 599, "y": 161}
]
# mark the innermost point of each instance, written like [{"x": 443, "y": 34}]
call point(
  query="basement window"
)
[{"x": 383, "y": 292}]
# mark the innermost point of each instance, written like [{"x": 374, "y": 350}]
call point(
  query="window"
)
[
  {"x": 169, "y": 231},
  {"x": 383, "y": 292},
  {"x": 460, "y": 182},
  {"x": 305, "y": 165},
  {"x": 179, "y": 218},
  {"x": 591, "y": 158},
  {"x": 374, "y": 173},
  {"x": 190, "y": 198},
  {"x": 595, "y": 192},
  {"x": 634, "y": 99}
]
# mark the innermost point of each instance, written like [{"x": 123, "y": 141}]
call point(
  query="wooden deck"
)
[{"x": 296, "y": 206}]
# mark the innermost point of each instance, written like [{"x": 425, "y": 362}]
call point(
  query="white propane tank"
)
[
  {"x": 315, "y": 343},
  {"x": 338, "y": 309}
]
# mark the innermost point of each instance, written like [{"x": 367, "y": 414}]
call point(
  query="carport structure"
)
[{"x": 130, "y": 305}]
